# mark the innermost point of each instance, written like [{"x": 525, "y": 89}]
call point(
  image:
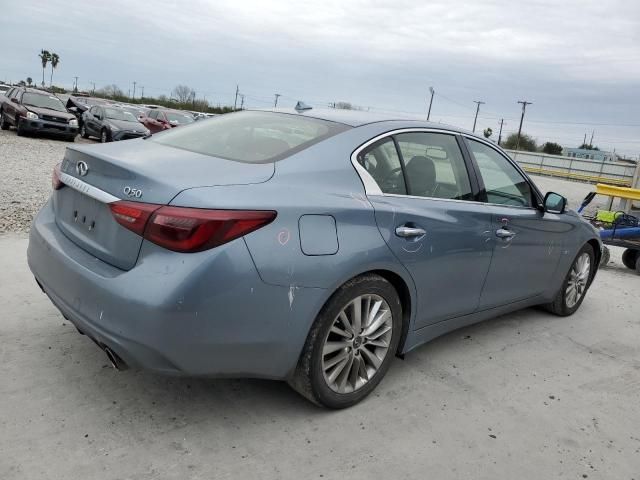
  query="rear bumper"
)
[
  {"x": 192, "y": 314},
  {"x": 44, "y": 126}
]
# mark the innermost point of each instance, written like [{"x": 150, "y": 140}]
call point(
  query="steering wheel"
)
[{"x": 389, "y": 181}]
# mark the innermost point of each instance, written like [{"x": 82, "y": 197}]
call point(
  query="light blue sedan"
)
[{"x": 300, "y": 245}]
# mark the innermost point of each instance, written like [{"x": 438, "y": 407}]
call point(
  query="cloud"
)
[{"x": 577, "y": 60}]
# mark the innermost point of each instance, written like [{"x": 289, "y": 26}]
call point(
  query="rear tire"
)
[
  {"x": 4, "y": 125},
  {"x": 575, "y": 285},
  {"x": 351, "y": 343},
  {"x": 630, "y": 258}
]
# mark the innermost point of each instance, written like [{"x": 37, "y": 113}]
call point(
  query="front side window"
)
[
  {"x": 503, "y": 183},
  {"x": 253, "y": 137},
  {"x": 434, "y": 166},
  {"x": 382, "y": 162}
]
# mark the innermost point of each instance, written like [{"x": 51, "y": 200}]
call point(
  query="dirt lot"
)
[{"x": 524, "y": 396}]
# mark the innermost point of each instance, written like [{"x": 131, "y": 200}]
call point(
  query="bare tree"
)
[
  {"x": 182, "y": 93},
  {"x": 111, "y": 91}
]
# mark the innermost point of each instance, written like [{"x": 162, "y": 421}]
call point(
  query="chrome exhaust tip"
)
[{"x": 115, "y": 360}]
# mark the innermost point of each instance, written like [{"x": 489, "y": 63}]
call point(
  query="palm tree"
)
[
  {"x": 45, "y": 56},
  {"x": 29, "y": 81},
  {"x": 55, "y": 60}
]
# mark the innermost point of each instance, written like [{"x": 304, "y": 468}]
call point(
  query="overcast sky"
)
[{"x": 578, "y": 61}]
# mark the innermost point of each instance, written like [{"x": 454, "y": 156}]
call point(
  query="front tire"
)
[
  {"x": 351, "y": 343},
  {"x": 575, "y": 285},
  {"x": 19, "y": 129},
  {"x": 104, "y": 136},
  {"x": 83, "y": 131}
]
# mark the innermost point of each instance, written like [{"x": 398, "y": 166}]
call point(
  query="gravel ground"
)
[{"x": 27, "y": 163}]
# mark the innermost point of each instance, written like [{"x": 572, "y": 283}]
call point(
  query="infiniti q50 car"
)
[{"x": 304, "y": 246}]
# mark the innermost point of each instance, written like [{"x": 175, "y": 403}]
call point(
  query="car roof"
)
[{"x": 357, "y": 118}]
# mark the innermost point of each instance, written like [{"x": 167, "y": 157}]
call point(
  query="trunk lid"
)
[{"x": 135, "y": 170}]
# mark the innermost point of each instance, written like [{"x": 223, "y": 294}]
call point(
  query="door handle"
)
[
  {"x": 405, "y": 232},
  {"x": 504, "y": 233}
]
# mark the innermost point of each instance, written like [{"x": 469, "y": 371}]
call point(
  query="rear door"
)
[
  {"x": 527, "y": 242},
  {"x": 427, "y": 213}
]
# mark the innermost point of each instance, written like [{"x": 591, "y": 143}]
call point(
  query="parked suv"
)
[
  {"x": 163, "y": 119},
  {"x": 111, "y": 124},
  {"x": 36, "y": 111}
]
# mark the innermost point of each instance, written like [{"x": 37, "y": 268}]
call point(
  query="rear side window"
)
[
  {"x": 434, "y": 166},
  {"x": 253, "y": 137}
]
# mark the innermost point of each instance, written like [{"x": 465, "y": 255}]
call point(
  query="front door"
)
[
  {"x": 426, "y": 214},
  {"x": 527, "y": 242}
]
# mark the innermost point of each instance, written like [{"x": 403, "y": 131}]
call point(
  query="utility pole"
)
[
  {"x": 524, "y": 108},
  {"x": 432, "y": 91},
  {"x": 478, "y": 103},
  {"x": 235, "y": 102},
  {"x": 75, "y": 85},
  {"x": 500, "y": 134},
  {"x": 591, "y": 141},
  {"x": 142, "y": 91},
  {"x": 93, "y": 90},
  {"x": 584, "y": 142},
  {"x": 241, "y": 101},
  {"x": 275, "y": 104},
  {"x": 134, "y": 89}
]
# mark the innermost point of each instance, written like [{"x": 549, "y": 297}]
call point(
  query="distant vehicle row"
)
[{"x": 30, "y": 110}]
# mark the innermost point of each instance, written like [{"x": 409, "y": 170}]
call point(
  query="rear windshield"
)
[
  {"x": 179, "y": 118},
  {"x": 253, "y": 137}
]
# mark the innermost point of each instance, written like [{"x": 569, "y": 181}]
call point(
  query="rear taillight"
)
[
  {"x": 56, "y": 183},
  {"x": 132, "y": 215},
  {"x": 184, "y": 229}
]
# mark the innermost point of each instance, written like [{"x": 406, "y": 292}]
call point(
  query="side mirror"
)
[
  {"x": 173, "y": 123},
  {"x": 14, "y": 100},
  {"x": 554, "y": 203}
]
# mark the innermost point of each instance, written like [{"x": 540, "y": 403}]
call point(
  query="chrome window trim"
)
[
  {"x": 89, "y": 190},
  {"x": 370, "y": 185}
]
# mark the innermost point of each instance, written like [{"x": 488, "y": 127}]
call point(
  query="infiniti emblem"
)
[{"x": 82, "y": 168}]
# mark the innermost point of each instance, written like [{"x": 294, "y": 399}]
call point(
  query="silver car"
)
[{"x": 307, "y": 246}]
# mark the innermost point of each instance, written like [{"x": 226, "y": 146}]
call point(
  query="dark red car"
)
[{"x": 159, "y": 119}]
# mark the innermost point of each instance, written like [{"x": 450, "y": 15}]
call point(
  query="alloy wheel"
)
[
  {"x": 357, "y": 343},
  {"x": 578, "y": 280}
]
